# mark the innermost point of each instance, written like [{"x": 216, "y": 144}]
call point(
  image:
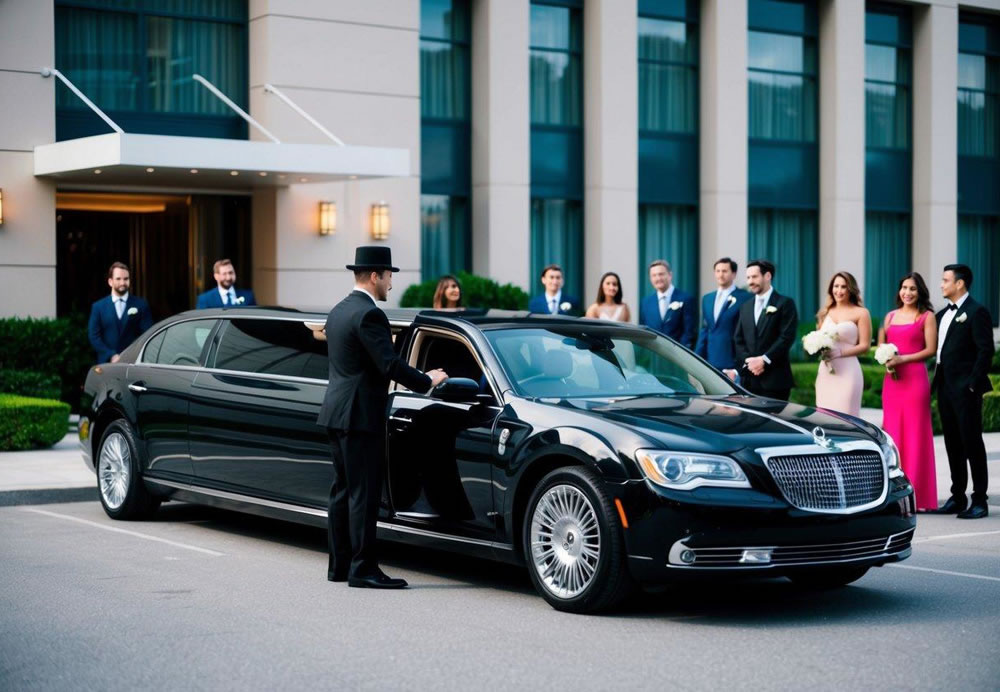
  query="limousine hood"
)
[{"x": 723, "y": 423}]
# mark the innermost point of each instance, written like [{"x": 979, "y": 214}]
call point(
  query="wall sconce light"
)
[
  {"x": 380, "y": 221},
  {"x": 327, "y": 218},
  {"x": 1, "y": 206}
]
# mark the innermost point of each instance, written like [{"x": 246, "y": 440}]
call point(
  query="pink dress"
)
[
  {"x": 906, "y": 411},
  {"x": 841, "y": 389}
]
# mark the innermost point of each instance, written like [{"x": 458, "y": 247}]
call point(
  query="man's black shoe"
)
[
  {"x": 952, "y": 506},
  {"x": 978, "y": 510},
  {"x": 378, "y": 580},
  {"x": 332, "y": 576}
]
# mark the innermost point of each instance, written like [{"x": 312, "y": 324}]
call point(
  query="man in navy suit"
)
[
  {"x": 553, "y": 301},
  {"x": 720, "y": 312},
  {"x": 670, "y": 311},
  {"x": 119, "y": 319},
  {"x": 226, "y": 294}
]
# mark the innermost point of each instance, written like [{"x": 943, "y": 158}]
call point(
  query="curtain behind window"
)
[
  {"x": 444, "y": 229},
  {"x": 98, "y": 51},
  {"x": 669, "y": 232},
  {"x": 979, "y": 247},
  {"x": 978, "y": 105},
  {"x": 788, "y": 240},
  {"x": 557, "y": 238},
  {"x": 887, "y": 259}
]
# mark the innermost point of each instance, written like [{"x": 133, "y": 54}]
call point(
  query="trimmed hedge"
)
[
  {"x": 58, "y": 347},
  {"x": 477, "y": 292},
  {"x": 30, "y": 383},
  {"x": 30, "y": 423}
]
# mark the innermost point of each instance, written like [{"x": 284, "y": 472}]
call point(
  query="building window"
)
[
  {"x": 788, "y": 239},
  {"x": 669, "y": 232},
  {"x": 136, "y": 61},
  {"x": 782, "y": 92},
  {"x": 557, "y": 238},
  {"x": 979, "y": 247},
  {"x": 888, "y": 159},
  {"x": 978, "y": 105},
  {"x": 556, "y": 84},
  {"x": 668, "y": 76},
  {"x": 445, "y": 156}
]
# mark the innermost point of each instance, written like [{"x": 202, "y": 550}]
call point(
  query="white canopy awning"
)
[{"x": 167, "y": 161}]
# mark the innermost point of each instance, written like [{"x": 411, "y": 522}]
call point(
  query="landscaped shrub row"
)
[
  {"x": 477, "y": 292},
  {"x": 30, "y": 383},
  {"x": 58, "y": 347},
  {"x": 29, "y": 423}
]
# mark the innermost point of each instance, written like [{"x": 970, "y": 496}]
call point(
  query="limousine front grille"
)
[
  {"x": 830, "y": 482},
  {"x": 797, "y": 555}
]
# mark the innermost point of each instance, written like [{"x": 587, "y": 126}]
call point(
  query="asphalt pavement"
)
[{"x": 200, "y": 598}]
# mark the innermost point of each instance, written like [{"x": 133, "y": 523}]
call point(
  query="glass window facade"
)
[
  {"x": 446, "y": 229},
  {"x": 668, "y": 76},
  {"x": 669, "y": 232},
  {"x": 783, "y": 171},
  {"x": 556, "y": 113},
  {"x": 888, "y": 158},
  {"x": 136, "y": 59}
]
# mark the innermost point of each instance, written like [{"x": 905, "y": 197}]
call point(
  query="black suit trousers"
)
[
  {"x": 962, "y": 424},
  {"x": 352, "y": 514}
]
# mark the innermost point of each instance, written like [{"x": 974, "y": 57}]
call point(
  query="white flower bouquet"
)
[
  {"x": 885, "y": 353},
  {"x": 821, "y": 342}
]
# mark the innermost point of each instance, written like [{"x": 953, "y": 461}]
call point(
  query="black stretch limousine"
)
[{"x": 600, "y": 455}]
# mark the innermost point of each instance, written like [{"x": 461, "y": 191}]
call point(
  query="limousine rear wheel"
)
[
  {"x": 573, "y": 543},
  {"x": 119, "y": 483},
  {"x": 829, "y": 578}
]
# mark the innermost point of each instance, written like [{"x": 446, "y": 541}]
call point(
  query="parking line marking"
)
[
  {"x": 136, "y": 534},
  {"x": 945, "y": 571},
  {"x": 955, "y": 535}
]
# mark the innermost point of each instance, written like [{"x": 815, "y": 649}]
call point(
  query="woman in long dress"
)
[
  {"x": 906, "y": 399},
  {"x": 839, "y": 382},
  {"x": 609, "y": 305}
]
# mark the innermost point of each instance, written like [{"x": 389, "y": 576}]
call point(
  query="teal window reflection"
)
[
  {"x": 788, "y": 238},
  {"x": 887, "y": 258},
  {"x": 444, "y": 59},
  {"x": 556, "y": 96},
  {"x": 782, "y": 86},
  {"x": 979, "y": 247},
  {"x": 669, "y": 232},
  {"x": 887, "y": 97},
  {"x": 557, "y": 238},
  {"x": 444, "y": 236},
  {"x": 668, "y": 76},
  {"x": 978, "y": 105}
]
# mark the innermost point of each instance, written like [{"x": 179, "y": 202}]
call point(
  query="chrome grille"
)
[
  {"x": 812, "y": 554},
  {"x": 838, "y": 482}
]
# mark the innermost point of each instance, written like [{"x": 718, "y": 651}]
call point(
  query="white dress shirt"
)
[
  {"x": 760, "y": 302},
  {"x": 946, "y": 321},
  {"x": 721, "y": 295},
  {"x": 358, "y": 288},
  {"x": 664, "y": 299},
  {"x": 228, "y": 296},
  {"x": 553, "y": 302},
  {"x": 119, "y": 303}
]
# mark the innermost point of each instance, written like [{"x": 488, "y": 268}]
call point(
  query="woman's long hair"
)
[
  {"x": 443, "y": 283},
  {"x": 923, "y": 295},
  {"x": 600, "y": 289},
  {"x": 853, "y": 294}
]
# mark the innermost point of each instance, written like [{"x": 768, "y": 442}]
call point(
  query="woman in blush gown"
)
[
  {"x": 609, "y": 305},
  {"x": 906, "y": 400},
  {"x": 840, "y": 390}
]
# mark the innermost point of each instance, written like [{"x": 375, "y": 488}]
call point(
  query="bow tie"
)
[{"x": 953, "y": 307}]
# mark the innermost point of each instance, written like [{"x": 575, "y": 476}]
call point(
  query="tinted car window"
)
[
  {"x": 180, "y": 344},
  {"x": 274, "y": 347}
]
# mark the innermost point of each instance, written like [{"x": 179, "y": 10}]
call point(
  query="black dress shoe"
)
[
  {"x": 333, "y": 576},
  {"x": 378, "y": 580},
  {"x": 978, "y": 510},
  {"x": 952, "y": 506}
]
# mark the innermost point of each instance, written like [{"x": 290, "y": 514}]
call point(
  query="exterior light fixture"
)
[
  {"x": 327, "y": 218},
  {"x": 380, "y": 221},
  {"x": 1, "y": 206}
]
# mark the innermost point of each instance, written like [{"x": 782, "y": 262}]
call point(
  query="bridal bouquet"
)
[
  {"x": 821, "y": 342},
  {"x": 885, "y": 353}
]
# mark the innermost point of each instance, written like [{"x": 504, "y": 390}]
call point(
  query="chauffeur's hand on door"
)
[{"x": 437, "y": 376}]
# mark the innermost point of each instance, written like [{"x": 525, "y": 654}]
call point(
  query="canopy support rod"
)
[
  {"x": 239, "y": 111},
  {"x": 270, "y": 88},
  {"x": 53, "y": 72}
]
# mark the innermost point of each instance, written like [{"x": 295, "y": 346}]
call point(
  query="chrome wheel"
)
[
  {"x": 565, "y": 541},
  {"x": 113, "y": 470}
]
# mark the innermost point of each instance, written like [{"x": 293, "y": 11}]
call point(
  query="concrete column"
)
[
  {"x": 723, "y": 135},
  {"x": 935, "y": 141},
  {"x": 611, "y": 145},
  {"x": 27, "y": 119},
  {"x": 841, "y": 140},
  {"x": 501, "y": 142}
]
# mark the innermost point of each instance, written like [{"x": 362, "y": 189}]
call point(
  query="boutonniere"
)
[
  {"x": 676, "y": 305},
  {"x": 239, "y": 301},
  {"x": 133, "y": 311},
  {"x": 961, "y": 318},
  {"x": 771, "y": 309},
  {"x": 565, "y": 306},
  {"x": 732, "y": 300}
]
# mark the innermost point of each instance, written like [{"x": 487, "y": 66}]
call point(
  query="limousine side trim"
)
[{"x": 434, "y": 534}]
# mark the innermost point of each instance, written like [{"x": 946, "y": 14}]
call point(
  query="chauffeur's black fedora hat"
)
[{"x": 372, "y": 257}]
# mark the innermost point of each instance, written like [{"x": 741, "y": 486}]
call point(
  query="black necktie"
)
[{"x": 953, "y": 307}]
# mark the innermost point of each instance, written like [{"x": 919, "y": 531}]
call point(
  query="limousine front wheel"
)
[
  {"x": 123, "y": 494},
  {"x": 573, "y": 543}
]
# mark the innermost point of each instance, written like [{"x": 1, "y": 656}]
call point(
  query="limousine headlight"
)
[
  {"x": 891, "y": 454},
  {"x": 679, "y": 471}
]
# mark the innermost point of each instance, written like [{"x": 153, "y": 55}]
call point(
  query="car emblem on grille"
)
[{"x": 820, "y": 438}]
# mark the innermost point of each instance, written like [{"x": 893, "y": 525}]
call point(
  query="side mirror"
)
[{"x": 457, "y": 389}]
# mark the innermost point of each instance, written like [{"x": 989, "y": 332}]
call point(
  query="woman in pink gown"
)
[{"x": 906, "y": 400}]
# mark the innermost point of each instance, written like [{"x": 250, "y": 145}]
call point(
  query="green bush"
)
[
  {"x": 995, "y": 365},
  {"x": 57, "y": 347},
  {"x": 29, "y": 423},
  {"x": 991, "y": 412},
  {"x": 30, "y": 383},
  {"x": 477, "y": 292},
  {"x": 804, "y": 391}
]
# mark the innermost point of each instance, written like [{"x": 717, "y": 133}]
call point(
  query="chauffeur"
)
[{"x": 362, "y": 362}]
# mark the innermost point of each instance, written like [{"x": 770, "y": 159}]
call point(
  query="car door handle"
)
[
  {"x": 401, "y": 420},
  {"x": 137, "y": 387}
]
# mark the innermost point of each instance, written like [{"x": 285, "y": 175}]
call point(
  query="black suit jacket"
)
[
  {"x": 362, "y": 363},
  {"x": 772, "y": 336},
  {"x": 966, "y": 352}
]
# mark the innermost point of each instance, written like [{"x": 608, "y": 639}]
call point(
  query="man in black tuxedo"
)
[
  {"x": 764, "y": 335},
  {"x": 965, "y": 349},
  {"x": 119, "y": 319},
  {"x": 362, "y": 363}
]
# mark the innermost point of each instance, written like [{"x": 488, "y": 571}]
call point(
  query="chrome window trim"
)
[
  {"x": 461, "y": 338},
  {"x": 767, "y": 453}
]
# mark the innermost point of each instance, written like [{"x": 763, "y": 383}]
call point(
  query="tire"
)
[
  {"x": 119, "y": 475},
  {"x": 829, "y": 578},
  {"x": 587, "y": 572}
]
